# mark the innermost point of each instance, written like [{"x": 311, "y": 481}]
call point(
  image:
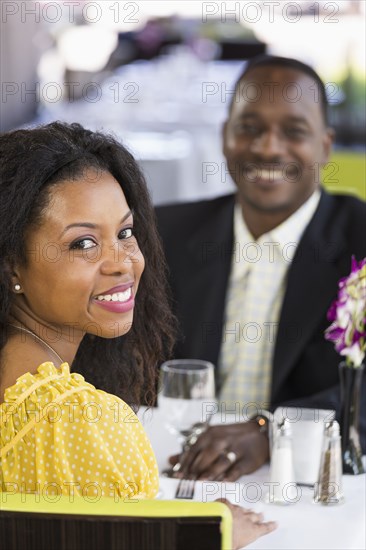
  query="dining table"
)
[{"x": 302, "y": 525}]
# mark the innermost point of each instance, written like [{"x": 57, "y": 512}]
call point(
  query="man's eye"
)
[
  {"x": 82, "y": 244},
  {"x": 295, "y": 132},
  {"x": 248, "y": 129},
  {"x": 126, "y": 233}
]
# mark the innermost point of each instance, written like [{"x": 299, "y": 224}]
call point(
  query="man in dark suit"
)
[{"x": 274, "y": 143}]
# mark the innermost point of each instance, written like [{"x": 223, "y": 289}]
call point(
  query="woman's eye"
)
[
  {"x": 82, "y": 244},
  {"x": 126, "y": 233}
]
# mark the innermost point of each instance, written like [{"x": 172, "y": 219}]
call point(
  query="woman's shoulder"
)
[
  {"x": 41, "y": 378},
  {"x": 56, "y": 392},
  {"x": 51, "y": 385},
  {"x": 57, "y": 412},
  {"x": 19, "y": 358}
]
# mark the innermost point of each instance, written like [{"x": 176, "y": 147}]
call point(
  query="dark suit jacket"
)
[{"x": 198, "y": 242}]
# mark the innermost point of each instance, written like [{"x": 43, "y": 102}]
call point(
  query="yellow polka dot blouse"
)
[{"x": 59, "y": 435}]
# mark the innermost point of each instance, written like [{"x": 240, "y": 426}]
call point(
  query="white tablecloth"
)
[{"x": 302, "y": 526}]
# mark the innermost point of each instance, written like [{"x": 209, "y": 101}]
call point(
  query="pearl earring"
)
[{"x": 17, "y": 287}]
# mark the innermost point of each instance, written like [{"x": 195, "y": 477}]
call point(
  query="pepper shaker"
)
[{"x": 328, "y": 490}]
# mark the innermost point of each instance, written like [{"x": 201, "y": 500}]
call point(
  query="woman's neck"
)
[{"x": 61, "y": 343}]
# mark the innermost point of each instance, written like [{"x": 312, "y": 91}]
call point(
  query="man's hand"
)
[{"x": 207, "y": 458}]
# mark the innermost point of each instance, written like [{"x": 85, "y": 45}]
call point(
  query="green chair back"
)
[{"x": 33, "y": 522}]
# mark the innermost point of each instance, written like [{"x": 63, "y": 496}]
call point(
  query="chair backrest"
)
[{"x": 33, "y": 522}]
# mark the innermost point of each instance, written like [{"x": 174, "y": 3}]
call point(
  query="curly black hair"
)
[{"x": 32, "y": 161}]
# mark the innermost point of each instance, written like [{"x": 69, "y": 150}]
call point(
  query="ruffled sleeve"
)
[{"x": 60, "y": 435}]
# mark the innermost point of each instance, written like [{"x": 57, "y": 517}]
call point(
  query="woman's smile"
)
[{"x": 118, "y": 299}]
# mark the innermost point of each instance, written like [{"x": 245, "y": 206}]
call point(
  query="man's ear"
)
[{"x": 328, "y": 139}]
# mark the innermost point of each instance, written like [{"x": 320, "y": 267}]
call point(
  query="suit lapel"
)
[
  {"x": 210, "y": 250},
  {"x": 312, "y": 278}
]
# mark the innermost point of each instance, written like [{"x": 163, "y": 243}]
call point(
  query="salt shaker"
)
[
  {"x": 328, "y": 490},
  {"x": 283, "y": 488}
]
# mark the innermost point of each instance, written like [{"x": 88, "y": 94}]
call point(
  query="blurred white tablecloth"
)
[{"x": 302, "y": 526}]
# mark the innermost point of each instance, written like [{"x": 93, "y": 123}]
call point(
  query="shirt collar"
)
[{"x": 287, "y": 234}]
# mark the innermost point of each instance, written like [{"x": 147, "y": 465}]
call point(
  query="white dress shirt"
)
[{"x": 255, "y": 294}]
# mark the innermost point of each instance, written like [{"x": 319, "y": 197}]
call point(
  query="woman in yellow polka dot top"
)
[{"x": 76, "y": 231}]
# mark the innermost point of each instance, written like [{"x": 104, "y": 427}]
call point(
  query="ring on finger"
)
[{"x": 231, "y": 456}]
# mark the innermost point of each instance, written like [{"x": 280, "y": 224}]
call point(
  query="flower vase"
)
[{"x": 350, "y": 379}]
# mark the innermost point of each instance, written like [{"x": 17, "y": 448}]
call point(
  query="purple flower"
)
[{"x": 348, "y": 315}]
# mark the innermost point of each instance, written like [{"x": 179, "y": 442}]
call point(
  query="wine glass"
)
[{"x": 186, "y": 399}]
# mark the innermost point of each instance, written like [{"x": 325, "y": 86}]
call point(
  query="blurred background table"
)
[{"x": 149, "y": 70}]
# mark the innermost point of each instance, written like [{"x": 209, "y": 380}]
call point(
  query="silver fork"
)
[{"x": 185, "y": 489}]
